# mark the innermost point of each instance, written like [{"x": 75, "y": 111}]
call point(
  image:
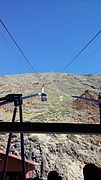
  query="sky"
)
[{"x": 50, "y": 33}]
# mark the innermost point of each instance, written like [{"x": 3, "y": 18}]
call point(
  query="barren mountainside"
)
[{"x": 66, "y": 153}]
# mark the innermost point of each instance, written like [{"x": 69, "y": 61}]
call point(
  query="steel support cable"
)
[
  {"x": 78, "y": 54},
  {"x": 18, "y": 48},
  {"x": 95, "y": 50},
  {"x": 13, "y": 49},
  {"x": 8, "y": 43},
  {"x": 6, "y": 40},
  {"x": 27, "y": 60}
]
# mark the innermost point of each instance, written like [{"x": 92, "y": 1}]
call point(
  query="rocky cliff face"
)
[{"x": 66, "y": 153}]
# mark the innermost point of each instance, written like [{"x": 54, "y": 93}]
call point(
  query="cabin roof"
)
[{"x": 15, "y": 163}]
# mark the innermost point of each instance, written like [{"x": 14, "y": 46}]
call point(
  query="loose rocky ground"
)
[{"x": 66, "y": 153}]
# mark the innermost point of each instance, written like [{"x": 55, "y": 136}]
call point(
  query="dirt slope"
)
[{"x": 65, "y": 153}]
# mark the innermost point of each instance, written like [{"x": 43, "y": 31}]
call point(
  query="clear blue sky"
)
[{"x": 50, "y": 33}]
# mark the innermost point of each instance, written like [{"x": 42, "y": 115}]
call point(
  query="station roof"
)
[{"x": 15, "y": 163}]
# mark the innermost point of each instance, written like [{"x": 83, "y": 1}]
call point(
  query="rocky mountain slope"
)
[{"x": 66, "y": 153}]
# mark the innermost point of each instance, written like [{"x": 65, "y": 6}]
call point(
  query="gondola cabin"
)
[
  {"x": 43, "y": 94},
  {"x": 43, "y": 97}
]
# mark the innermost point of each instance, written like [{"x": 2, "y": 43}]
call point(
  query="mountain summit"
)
[{"x": 66, "y": 153}]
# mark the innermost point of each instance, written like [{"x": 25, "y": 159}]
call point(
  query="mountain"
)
[{"x": 67, "y": 153}]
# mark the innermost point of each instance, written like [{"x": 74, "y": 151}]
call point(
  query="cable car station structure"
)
[{"x": 34, "y": 127}]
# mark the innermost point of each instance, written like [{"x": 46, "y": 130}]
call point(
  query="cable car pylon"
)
[{"x": 17, "y": 99}]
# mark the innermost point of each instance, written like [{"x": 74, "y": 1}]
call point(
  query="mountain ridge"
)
[{"x": 65, "y": 153}]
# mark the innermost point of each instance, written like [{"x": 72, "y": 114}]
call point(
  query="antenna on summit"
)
[{"x": 51, "y": 75}]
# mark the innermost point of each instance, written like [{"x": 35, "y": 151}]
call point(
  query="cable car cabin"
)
[
  {"x": 43, "y": 97},
  {"x": 14, "y": 167}
]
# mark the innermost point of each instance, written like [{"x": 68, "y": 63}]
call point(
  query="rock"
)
[{"x": 68, "y": 153}]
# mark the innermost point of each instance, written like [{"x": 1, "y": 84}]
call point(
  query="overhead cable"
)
[
  {"x": 88, "y": 57},
  {"x": 78, "y": 54},
  {"x": 27, "y": 60},
  {"x": 3, "y": 36},
  {"x": 8, "y": 42}
]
